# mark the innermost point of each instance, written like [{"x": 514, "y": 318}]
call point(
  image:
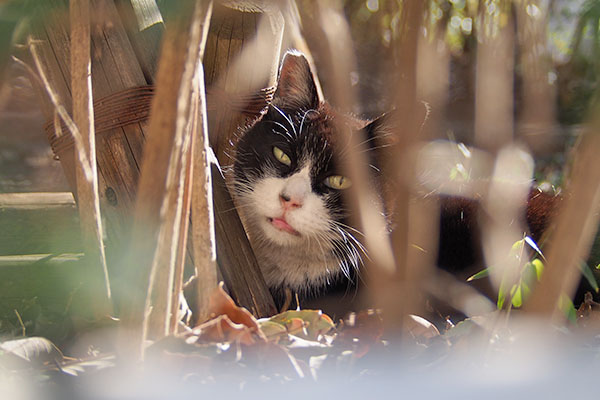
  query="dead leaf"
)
[
  {"x": 221, "y": 304},
  {"x": 306, "y": 324},
  {"x": 30, "y": 352},
  {"x": 223, "y": 330},
  {"x": 361, "y": 331},
  {"x": 421, "y": 329}
]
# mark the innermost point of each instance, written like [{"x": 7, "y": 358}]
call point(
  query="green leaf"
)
[
  {"x": 566, "y": 306},
  {"x": 501, "y": 295},
  {"x": 481, "y": 274},
  {"x": 587, "y": 272},
  {"x": 529, "y": 274},
  {"x": 539, "y": 268},
  {"x": 517, "y": 248},
  {"x": 516, "y": 296}
]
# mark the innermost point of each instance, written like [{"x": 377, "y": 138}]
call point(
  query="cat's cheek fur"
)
[{"x": 309, "y": 220}]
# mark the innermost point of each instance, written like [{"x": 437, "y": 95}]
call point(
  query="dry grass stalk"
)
[
  {"x": 414, "y": 219},
  {"x": 91, "y": 222},
  {"x": 576, "y": 227},
  {"x": 508, "y": 185},
  {"x": 369, "y": 219},
  {"x": 59, "y": 108},
  {"x": 537, "y": 120},
  {"x": 203, "y": 220},
  {"x": 83, "y": 115},
  {"x": 159, "y": 205}
]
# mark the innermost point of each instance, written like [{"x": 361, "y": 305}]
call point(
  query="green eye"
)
[
  {"x": 281, "y": 156},
  {"x": 338, "y": 182}
]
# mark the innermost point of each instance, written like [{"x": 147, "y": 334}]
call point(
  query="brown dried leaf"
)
[
  {"x": 421, "y": 329},
  {"x": 306, "y": 324},
  {"x": 361, "y": 331},
  {"x": 222, "y": 330},
  {"x": 588, "y": 314},
  {"x": 221, "y": 304}
]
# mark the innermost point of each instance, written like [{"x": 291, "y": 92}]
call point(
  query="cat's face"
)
[{"x": 290, "y": 188}]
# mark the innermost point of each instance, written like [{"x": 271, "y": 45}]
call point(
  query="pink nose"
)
[{"x": 289, "y": 202}]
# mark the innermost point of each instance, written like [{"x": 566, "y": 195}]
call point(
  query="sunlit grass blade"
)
[{"x": 588, "y": 274}]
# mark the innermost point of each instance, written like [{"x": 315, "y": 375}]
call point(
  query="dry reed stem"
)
[
  {"x": 88, "y": 199},
  {"x": 414, "y": 219},
  {"x": 508, "y": 186},
  {"x": 575, "y": 230},
  {"x": 369, "y": 219},
  {"x": 159, "y": 204},
  {"x": 40, "y": 75},
  {"x": 537, "y": 120},
  {"x": 85, "y": 169},
  {"x": 203, "y": 219}
]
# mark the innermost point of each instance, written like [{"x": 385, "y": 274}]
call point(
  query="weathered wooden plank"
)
[
  {"x": 240, "y": 60},
  {"x": 231, "y": 53},
  {"x": 235, "y": 257},
  {"x": 35, "y": 200},
  {"x": 30, "y": 259},
  {"x": 38, "y": 222},
  {"x": 114, "y": 68},
  {"x": 145, "y": 27}
]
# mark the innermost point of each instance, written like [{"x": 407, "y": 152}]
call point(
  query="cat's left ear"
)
[
  {"x": 296, "y": 88},
  {"x": 384, "y": 132},
  {"x": 379, "y": 131}
]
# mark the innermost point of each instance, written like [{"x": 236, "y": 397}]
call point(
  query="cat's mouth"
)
[{"x": 282, "y": 225}]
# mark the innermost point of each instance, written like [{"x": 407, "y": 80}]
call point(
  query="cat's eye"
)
[
  {"x": 338, "y": 182},
  {"x": 281, "y": 156}
]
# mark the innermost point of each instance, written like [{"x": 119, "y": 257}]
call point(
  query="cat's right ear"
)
[{"x": 296, "y": 87}]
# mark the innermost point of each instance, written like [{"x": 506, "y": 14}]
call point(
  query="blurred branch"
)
[
  {"x": 576, "y": 227},
  {"x": 159, "y": 204}
]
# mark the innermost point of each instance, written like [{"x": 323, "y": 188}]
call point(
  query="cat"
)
[
  {"x": 289, "y": 189},
  {"x": 288, "y": 186}
]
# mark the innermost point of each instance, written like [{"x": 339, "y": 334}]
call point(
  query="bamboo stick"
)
[{"x": 159, "y": 203}]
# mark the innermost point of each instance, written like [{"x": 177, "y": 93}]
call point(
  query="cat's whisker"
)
[
  {"x": 304, "y": 117},
  {"x": 285, "y": 135},
  {"x": 342, "y": 225},
  {"x": 287, "y": 118},
  {"x": 383, "y": 146},
  {"x": 357, "y": 243}
]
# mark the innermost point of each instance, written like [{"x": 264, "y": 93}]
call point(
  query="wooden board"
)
[{"x": 38, "y": 223}]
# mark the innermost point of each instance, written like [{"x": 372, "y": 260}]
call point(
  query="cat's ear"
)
[
  {"x": 296, "y": 88},
  {"x": 382, "y": 133},
  {"x": 383, "y": 130}
]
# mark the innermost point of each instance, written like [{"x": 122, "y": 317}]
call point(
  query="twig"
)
[
  {"x": 42, "y": 78},
  {"x": 24, "y": 331}
]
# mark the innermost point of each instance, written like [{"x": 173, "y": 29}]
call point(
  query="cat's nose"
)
[{"x": 288, "y": 201}]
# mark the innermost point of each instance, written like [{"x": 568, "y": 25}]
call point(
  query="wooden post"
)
[
  {"x": 240, "y": 67},
  {"x": 121, "y": 106},
  {"x": 122, "y": 71}
]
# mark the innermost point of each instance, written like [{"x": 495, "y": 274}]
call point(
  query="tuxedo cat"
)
[{"x": 289, "y": 189}]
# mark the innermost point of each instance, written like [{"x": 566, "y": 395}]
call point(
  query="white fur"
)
[{"x": 297, "y": 261}]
